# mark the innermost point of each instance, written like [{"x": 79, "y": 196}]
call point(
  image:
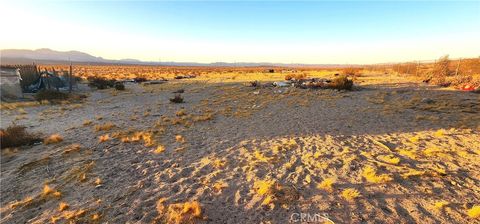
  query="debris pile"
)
[
  {"x": 339, "y": 83},
  {"x": 185, "y": 76}
]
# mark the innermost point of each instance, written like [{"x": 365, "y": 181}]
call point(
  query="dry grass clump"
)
[
  {"x": 179, "y": 138},
  {"x": 47, "y": 191},
  {"x": 159, "y": 149},
  {"x": 219, "y": 185},
  {"x": 274, "y": 193},
  {"x": 147, "y": 138},
  {"x": 389, "y": 159},
  {"x": 63, "y": 206},
  {"x": 440, "y": 204},
  {"x": 350, "y": 194},
  {"x": 204, "y": 117},
  {"x": 104, "y": 127},
  {"x": 103, "y": 138},
  {"x": 72, "y": 148},
  {"x": 87, "y": 122},
  {"x": 474, "y": 212},
  {"x": 412, "y": 154},
  {"x": 341, "y": 83},
  {"x": 51, "y": 96},
  {"x": 327, "y": 184},
  {"x": 263, "y": 187},
  {"x": 52, "y": 139},
  {"x": 15, "y": 136},
  {"x": 181, "y": 212},
  {"x": 181, "y": 112},
  {"x": 25, "y": 201},
  {"x": 353, "y": 72},
  {"x": 101, "y": 83},
  {"x": 74, "y": 214},
  {"x": 15, "y": 105},
  {"x": 295, "y": 76},
  {"x": 370, "y": 174}
]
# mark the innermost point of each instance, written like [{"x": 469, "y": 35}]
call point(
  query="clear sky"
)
[{"x": 289, "y": 32}]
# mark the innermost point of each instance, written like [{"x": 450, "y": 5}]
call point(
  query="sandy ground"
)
[{"x": 396, "y": 151}]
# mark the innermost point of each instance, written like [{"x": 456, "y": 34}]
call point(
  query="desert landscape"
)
[
  {"x": 249, "y": 112},
  {"x": 393, "y": 149}
]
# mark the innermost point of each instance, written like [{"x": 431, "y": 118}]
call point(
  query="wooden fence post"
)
[{"x": 70, "y": 80}]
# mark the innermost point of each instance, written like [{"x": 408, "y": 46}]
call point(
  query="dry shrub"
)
[
  {"x": 103, "y": 138},
  {"x": 51, "y": 95},
  {"x": 370, "y": 174},
  {"x": 55, "y": 138},
  {"x": 159, "y": 149},
  {"x": 460, "y": 80},
  {"x": 177, "y": 99},
  {"x": 341, "y": 83},
  {"x": 353, "y": 72},
  {"x": 440, "y": 71},
  {"x": 182, "y": 212},
  {"x": 119, "y": 86},
  {"x": 15, "y": 136},
  {"x": 326, "y": 184},
  {"x": 104, "y": 127},
  {"x": 295, "y": 76},
  {"x": 474, "y": 212},
  {"x": 181, "y": 112},
  {"x": 350, "y": 194},
  {"x": 101, "y": 83}
]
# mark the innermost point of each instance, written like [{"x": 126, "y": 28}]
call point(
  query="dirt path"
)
[{"x": 250, "y": 155}]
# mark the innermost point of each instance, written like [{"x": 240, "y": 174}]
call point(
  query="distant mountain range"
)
[{"x": 48, "y": 56}]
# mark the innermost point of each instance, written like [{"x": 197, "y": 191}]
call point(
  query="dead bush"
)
[
  {"x": 101, "y": 83},
  {"x": 15, "y": 136},
  {"x": 353, "y": 72},
  {"x": 295, "y": 76},
  {"x": 51, "y": 95},
  {"x": 341, "y": 83},
  {"x": 119, "y": 86},
  {"x": 440, "y": 71},
  {"x": 177, "y": 99},
  {"x": 460, "y": 79}
]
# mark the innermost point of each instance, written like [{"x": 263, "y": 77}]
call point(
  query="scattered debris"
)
[
  {"x": 139, "y": 80},
  {"x": 154, "y": 82},
  {"x": 185, "y": 76},
  {"x": 282, "y": 84}
]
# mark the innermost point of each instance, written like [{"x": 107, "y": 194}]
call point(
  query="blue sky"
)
[{"x": 289, "y": 32}]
